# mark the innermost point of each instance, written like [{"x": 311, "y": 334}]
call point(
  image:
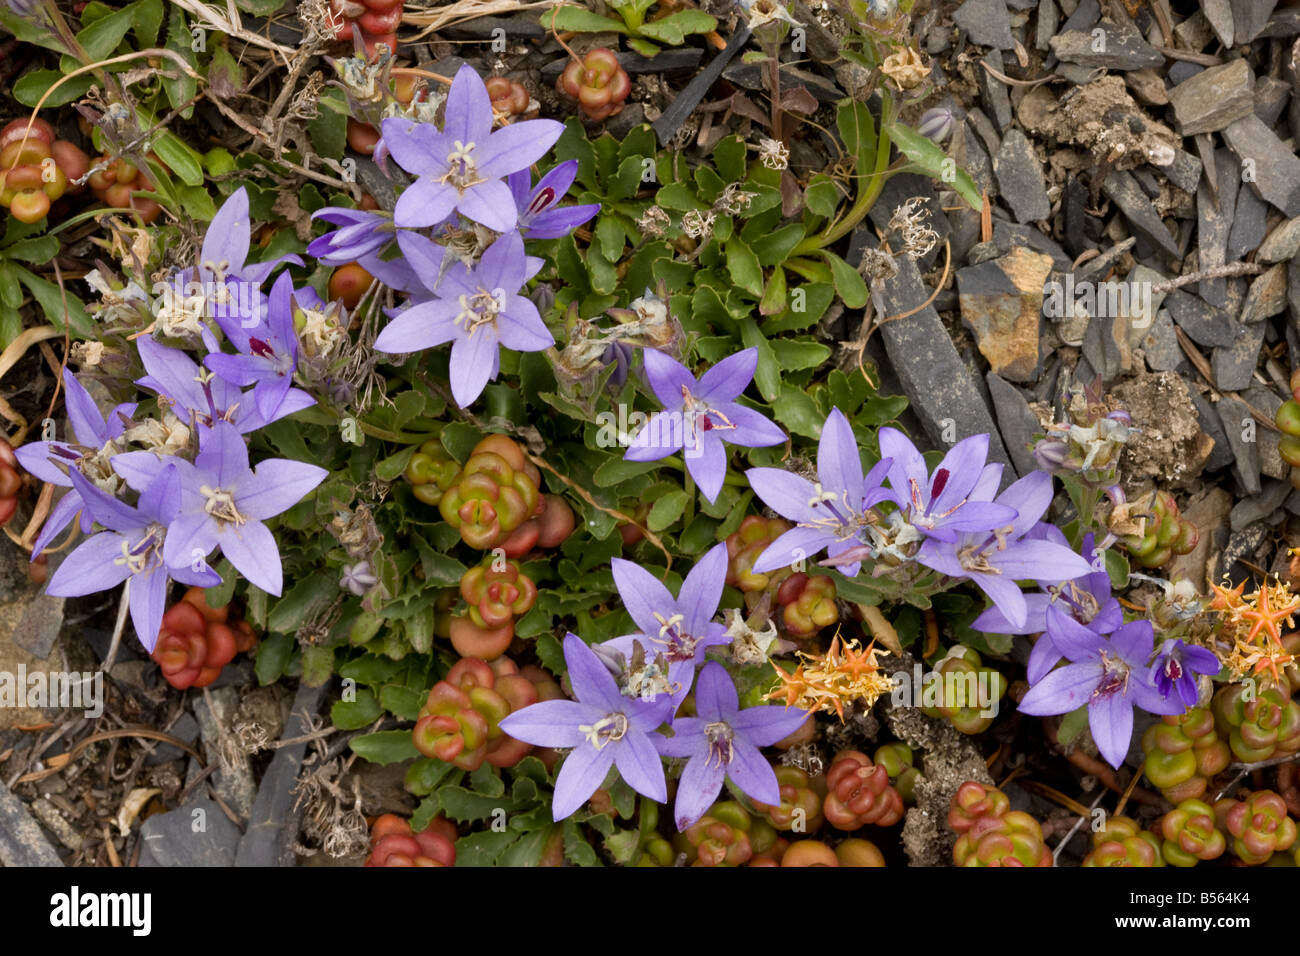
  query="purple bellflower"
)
[
  {"x": 201, "y": 397},
  {"x": 227, "y": 241},
  {"x": 131, "y": 550},
  {"x": 360, "y": 233},
  {"x": 460, "y": 168},
  {"x": 477, "y": 311},
  {"x": 956, "y": 497},
  {"x": 832, "y": 513},
  {"x": 539, "y": 215},
  {"x": 723, "y": 741},
  {"x": 699, "y": 416},
  {"x": 1109, "y": 676},
  {"x": 1176, "y": 666},
  {"x": 604, "y": 728},
  {"x": 93, "y": 432},
  {"x": 681, "y": 628},
  {"x": 1087, "y": 599},
  {"x": 998, "y": 558},
  {"x": 223, "y": 502},
  {"x": 267, "y": 359}
]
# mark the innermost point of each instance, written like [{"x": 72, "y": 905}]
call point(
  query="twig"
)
[
  {"x": 1218, "y": 272},
  {"x": 1011, "y": 81},
  {"x": 1083, "y": 818},
  {"x": 1245, "y": 768},
  {"x": 118, "y": 628}
]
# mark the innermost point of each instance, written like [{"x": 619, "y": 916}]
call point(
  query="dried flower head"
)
[
  {"x": 877, "y": 265},
  {"x": 773, "y": 154},
  {"x": 733, "y": 200},
  {"x": 697, "y": 224},
  {"x": 906, "y": 68},
  {"x": 911, "y": 222},
  {"x": 653, "y": 222},
  {"x": 1251, "y": 626},
  {"x": 845, "y": 674}
]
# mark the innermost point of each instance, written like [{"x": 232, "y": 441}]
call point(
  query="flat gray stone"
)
[
  {"x": 234, "y": 784},
  {"x": 1214, "y": 225},
  {"x": 986, "y": 22},
  {"x": 1258, "y": 507},
  {"x": 268, "y": 839},
  {"x": 1282, "y": 243},
  {"x": 1016, "y": 422},
  {"x": 1213, "y": 98},
  {"x": 1142, "y": 217},
  {"x": 22, "y": 842},
  {"x": 941, "y": 389},
  {"x": 1184, "y": 172},
  {"x": 993, "y": 92},
  {"x": 1207, "y": 416},
  {"x": 1249, "y": 220},
  {"x": 1219, "y": 13},
  {"x": 1270, "y": 459},
  {"x": 1266, "y": 296},
  {"x": 1276, "y": 169},
  {"x": 1293, "y": 298},
  {"x": 1204, "y": 324},
  {"x": 1020, "y": 178},
  {"x": 1234, "y": 365},
  {"x": 186, "y": 728},
  {"x": 977, "y": 163},
  {"x": 1160, "y": 344},
  {"x": 197, "y": 834},
  {"x": 1249, "y": 18},
  {"x": 1271, "y": 96},
  {"x": 1045, "y": 28},
  {"x": 1119, "y": 47},
  {"x": 1234, "y": 413},
  {"x": 1007, "y": 235}
]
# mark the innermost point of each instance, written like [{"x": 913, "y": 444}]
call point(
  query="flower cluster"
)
[
  {"x": 460, "y": 230},
  {"x": 626, "y": 689},
  {"x": 171, "y": 489}
]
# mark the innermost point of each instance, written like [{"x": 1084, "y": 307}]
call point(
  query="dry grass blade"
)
[{"x": 464, "y": 10}]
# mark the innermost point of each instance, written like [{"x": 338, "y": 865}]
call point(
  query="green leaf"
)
[
  {"x": 148, "y": 21},
  {"x": 102, "y": 37},
  {"x": 678, "y": 196},
  {"x": 796, "y": 354},
  {"x": 11, "y": 293},
  {"x": 1117, "y": 568},
  {"x": 423, "y": 776},
  {"x": 615, "y": 471},
  {"x": 183, "y": 87},
  {"x": 576, "y": 848},
  {"x": 317, "y": 665},
  {"x": 768, "y": 374},
  {"x": 180, "y": 158},
  {"x": 259, "y": 8},
  {"x": 729, "y": 158},
  {"x": 795, "y": 410},
  {"x": 29, "y": 31},
  {"x": 822, "y": 196},
  {"x": 197, "y": 203},
  {"x": 667, "y": 510},
  {"x": 773, "y": 248},
  {"x": 38, "y": 250},
  {"x": 465, "y": 806},
  {"x": 774, "y": 296},
  {"x": 675, "y": 27},
  {"x": 849, "y": 284},
  {"x": 580, "y": 20},
  {"x": 51, "y": 300},
  {"x": 273, "y": 653},
  {"x": 1072, "y": 725},
  {"x": 402, "y": 702},
  {"x": 299, "y": 602},
  {"x": 329, "y": 127},
  {"x": 644, "y": 47},
  {"x": 858, "y": 130},
  {"x": 743, "y": 267},
  {"x": 31, "y": 86},
  {"x": 485, "y": 848},
  {"x": 933, "y": 161},
  {"x": 387, "y": 746},
  {"x": 362, "y": 712}
]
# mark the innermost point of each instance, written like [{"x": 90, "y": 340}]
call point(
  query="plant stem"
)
[{"x": 736, "y": 481}]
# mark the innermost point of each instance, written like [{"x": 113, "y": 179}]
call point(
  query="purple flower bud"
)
[
  {"x": 936, "y": 123},
  {"x": 1051, "y": 453}
]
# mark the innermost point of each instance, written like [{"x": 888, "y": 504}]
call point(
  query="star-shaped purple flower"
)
[
  {"x": 681, "y": 628},
  {"x": 830, "y": 514},
  {"x": 200, "y": 396},
  {"x": 723, "y": 741},
  {"x": 699, "y": 415},
  {"x": 93, "y": 432},
  {"x": 360, "y": 233},
  {"x": 461, "y": 168},
  {"x": 130, "y": 551},
  {"x": 996, "y": 559},
  {"x": 604, "y": 728},
  {"x": 956, "y": 497},
  {"x": 223, "y": 502},
  {"x": 540, "y": 216},
  {"x": 1110, "y": 676},
  {"x": 476, "y": 310},
  {"x": 268, "y": 351},
  {"x": 1175, "y": 668},
  {"x": 1087, "y": 599}
]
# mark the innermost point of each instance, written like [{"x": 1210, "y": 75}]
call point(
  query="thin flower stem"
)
[
  {"x": 736, "y": 481},
  {"x": 689, "y": 484},
  {"x": 118, "y": 628}
]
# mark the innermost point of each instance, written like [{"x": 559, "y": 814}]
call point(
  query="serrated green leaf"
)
[
  {"x": 768, "y": 374},
  {"x": 796, "y": 354},
  {"x": 822, "y": 196},
  {"x": 743, "y": 266},
  {"x": 362, "y": 712},
  {"x": 849, "y": 284},
  {"x": 37, "y": 250},
  {"x": 674, "y": 28},
  {"x": 385, "y": 747},
  {"x": 795, "y": 410},
  {"x": 424, "y": 775},
  {"x": 102, "y": 37},
  {"x": 667, "y": 510}
]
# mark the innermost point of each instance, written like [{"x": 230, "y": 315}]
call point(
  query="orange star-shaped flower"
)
[
  {"x": 793, "y": 686},
  {"x": 859, "y": 662},
  {"x": 1267, "y": 618},
  {"x": 1226, "y": 599}
]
